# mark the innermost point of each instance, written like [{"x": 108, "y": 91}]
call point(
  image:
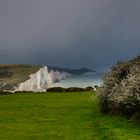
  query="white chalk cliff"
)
[{"x": 41, "y": 80}]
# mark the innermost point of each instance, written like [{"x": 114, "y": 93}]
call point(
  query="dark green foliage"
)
[
  {"x": 5, "y": 92},
  {"x": 74, "y": 89},
  {"x": 59, "y": 89},
  {"x": 89, "y": 88},
  {"x": 71, "y": 89},
  {"x": 56, "y": 89}
]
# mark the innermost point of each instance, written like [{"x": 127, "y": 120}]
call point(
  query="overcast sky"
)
[{"x": 71, "y": 33}]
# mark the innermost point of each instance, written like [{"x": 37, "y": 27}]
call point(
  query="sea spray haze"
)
[{"x": 120, "y": 92}]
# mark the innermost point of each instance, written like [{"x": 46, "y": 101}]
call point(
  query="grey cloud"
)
[{"x": 75, "y": 33}]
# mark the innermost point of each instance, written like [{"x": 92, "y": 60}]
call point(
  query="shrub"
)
[
  {"x": 74, "y": 89},
  {"x": 70, "y": 89},
  {"x": 89, "y": 88},
  {"x": 56, "y": 89},
  {"x": 5, "y": 92},
  {"x": 120, "y": 92}
]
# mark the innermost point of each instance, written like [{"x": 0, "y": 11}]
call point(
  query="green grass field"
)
[{"x": 60, "y": 116}]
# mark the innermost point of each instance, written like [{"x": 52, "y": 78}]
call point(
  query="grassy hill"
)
[
  {"x": 14, "y": 74},
  {"x": 61, "y": 116}
]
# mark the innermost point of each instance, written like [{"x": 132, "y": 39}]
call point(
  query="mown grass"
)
[{"x": 60, "y": 116}]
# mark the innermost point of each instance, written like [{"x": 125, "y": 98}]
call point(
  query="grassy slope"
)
[
  {"x": 60, "y": 116},
  {"x": 20, "y": 73}
]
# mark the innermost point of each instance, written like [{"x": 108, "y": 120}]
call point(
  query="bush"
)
[
  {"x": 120, "y": 92},
  {"x": 71, "y": 89},
  {"x": 5, "y": 92},
  {"x": 56, "y": 89},
  {"x": 74, "y": 89},
  {"x": 89, "y": 89}
]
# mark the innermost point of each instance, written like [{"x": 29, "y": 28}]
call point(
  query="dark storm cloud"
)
[{"x": 74, "y": 33}]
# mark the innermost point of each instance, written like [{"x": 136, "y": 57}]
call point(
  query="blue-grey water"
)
[{"x": 80, "y": 81}]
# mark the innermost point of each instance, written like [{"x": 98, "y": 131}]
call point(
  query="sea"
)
[{"x": 80, "y": 81}]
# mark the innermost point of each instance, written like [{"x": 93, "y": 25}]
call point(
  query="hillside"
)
[{"x": 11, "y": 75}]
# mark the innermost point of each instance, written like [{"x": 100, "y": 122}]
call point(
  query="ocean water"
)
[{"x": 80, "y": 81}]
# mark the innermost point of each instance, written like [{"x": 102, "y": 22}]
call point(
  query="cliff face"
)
[{"x": 41, "y": 80}]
